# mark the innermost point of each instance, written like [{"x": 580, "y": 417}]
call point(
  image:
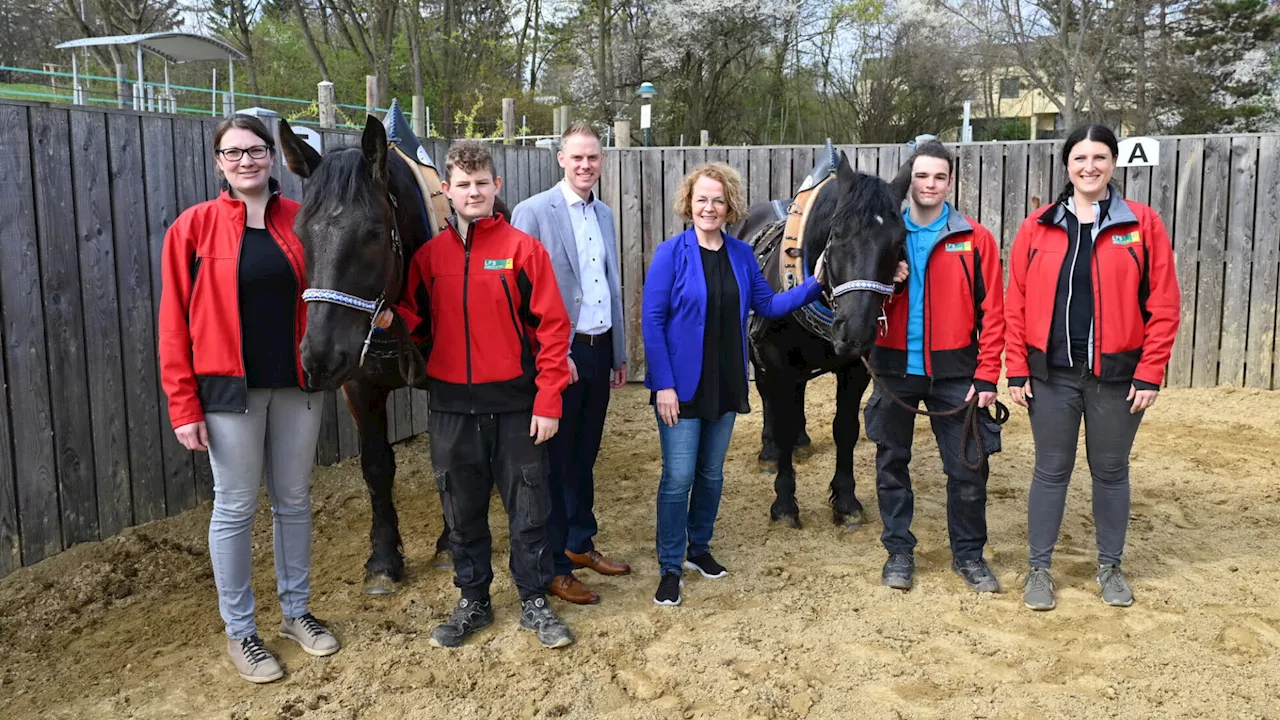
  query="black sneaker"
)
[
  {"x": 706, "y": 565},
  {"x": 668, "y": 590},
  {"x": 468, "y": 617},
  {"x": 899, "y": 571},
  {"x": 976, "y": 575},
  {"x": 536, "y": 615}
]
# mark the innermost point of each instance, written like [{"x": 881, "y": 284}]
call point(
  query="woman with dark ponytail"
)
[{"x": 1090, "y": 317}]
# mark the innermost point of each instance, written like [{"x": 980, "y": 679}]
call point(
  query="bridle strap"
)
[
  {"x": 340, "y": 298},
  {"x": 853, "y": 285}
]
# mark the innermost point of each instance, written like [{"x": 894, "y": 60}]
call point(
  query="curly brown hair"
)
[
  {"x": 724, "y": 174},
  {"x": 468, "y": 156}
]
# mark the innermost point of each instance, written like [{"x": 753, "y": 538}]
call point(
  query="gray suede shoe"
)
[
  {"x": 1115, "y": 588},
  {"x": 314, "y": 638},
  {"x": 253, "y": 661},
  {"x": 1038, "y": 591}
]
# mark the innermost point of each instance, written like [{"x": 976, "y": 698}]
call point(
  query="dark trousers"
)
[
  {"x": 573, "y": 453},
  {"x": 892, "y": 429},
  {"x": 472, "y": 453},
  {"x": 1056, "y": 407}
]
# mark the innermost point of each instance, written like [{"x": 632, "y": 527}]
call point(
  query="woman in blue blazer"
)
[{"x": 700, "y": 286}]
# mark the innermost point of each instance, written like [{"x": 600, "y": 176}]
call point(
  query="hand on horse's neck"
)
[{"x": 713, "y": 241}]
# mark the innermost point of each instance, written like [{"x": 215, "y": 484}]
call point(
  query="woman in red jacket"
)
[
  {"x": 231, "y": 318},
  {"x": 1090, "y": 316}
]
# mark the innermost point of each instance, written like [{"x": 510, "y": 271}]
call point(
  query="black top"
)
[
  {"x": 1073, "y": 304},
  {"x": 722, "y": 386},
  {"x": 268, "y": 302}
]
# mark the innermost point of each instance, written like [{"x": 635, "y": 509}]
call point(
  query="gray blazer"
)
[{"x": 546, "y": 217}]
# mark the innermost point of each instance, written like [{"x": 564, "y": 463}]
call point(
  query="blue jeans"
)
[
  {"x": 276, "y": 441},
  {"x": 689, "y": 493}
]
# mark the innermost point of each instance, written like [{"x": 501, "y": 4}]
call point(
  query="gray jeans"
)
[
  {"x": 276, "y": 438},
  {"x": 1109, "y": 428}
]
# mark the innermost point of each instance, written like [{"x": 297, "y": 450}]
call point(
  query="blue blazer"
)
[{"x": 675, "y": 308}]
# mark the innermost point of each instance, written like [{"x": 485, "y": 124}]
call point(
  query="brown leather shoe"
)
[
  {"x": 601, "y": 564},
  {"x": 571, "y": 589}
]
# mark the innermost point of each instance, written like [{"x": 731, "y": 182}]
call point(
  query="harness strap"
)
[
  {"x": 437, "y": 205},
  {"x": 791, "y": 262}
]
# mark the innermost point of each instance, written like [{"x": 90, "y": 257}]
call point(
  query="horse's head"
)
[
  {"x": 347, "y": 225},
  {"x": 864, "y": 239}
]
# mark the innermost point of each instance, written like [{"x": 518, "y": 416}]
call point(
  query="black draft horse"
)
[
  {"x": 856, "y": 219},
  {"x": 360, "y": 223}
]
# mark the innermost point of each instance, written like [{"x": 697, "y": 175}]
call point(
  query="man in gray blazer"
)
[{"x": 577, "y": 230}]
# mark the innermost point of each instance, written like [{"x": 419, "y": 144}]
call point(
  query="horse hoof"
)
[
  {"x": 849, "y": 521},
  {"x": 443, "y": 560},
  {"x": 380, "y": 584},
  {"x": 768, "y": 467},
  {"x": 791, "y": 520},
  {"x": 802, "y": 452}
]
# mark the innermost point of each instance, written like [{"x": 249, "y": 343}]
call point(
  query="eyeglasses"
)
[
  {"x": 717, "y": 202},
  {"x": 233, "y": 154}
]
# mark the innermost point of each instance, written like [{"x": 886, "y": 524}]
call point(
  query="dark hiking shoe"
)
[
  {"x": 308, "y": 632},
  {"x": 706, "y": 565},
  {"x": 899, "y": 571},
  {"x": 976, "y": 575},
  {"x": 536, "y": 615},
  {"x": 253, "y": 661},
  {"x": 668, "y": 590},
  {"x": 468, "y": 617},
  {"x": 1115, "y": 588},
  {"x": 1038, "y": 590}
]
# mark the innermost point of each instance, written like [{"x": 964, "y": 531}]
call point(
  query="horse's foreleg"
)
[
  {"x": 845, "y": 508},
  {"x": 804, "y": 444},
  {"x": 384, "y": 569},
  {"x": 786, "y": 429},
  {"x": 768, "y": 458}
]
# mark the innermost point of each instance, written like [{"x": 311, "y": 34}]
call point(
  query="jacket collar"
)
[
  {"x": 480, "y": 224},
  {"x": 957, "y": 224},
  {"x": 1113, "y": 211}
]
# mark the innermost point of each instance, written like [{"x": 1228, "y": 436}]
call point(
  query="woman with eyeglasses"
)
[
  {"x": 700, "y": 286},
  {"x": 231, "y": 319}
]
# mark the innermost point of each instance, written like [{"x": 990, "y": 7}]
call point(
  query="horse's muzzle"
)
[{"x": 326, "y": 368}]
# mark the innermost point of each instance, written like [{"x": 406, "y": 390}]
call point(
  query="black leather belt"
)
[{"x": 593, "y": 340}]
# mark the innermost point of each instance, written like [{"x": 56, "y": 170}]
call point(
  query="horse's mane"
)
[{"x": 871, "y": 196}]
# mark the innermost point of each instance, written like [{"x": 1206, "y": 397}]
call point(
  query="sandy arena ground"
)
[{"x": 801, "y": 628}]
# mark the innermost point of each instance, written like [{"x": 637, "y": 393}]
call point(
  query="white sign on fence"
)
[
  {"x": 1139, "y": 152},
  {"x": 311, "y": 137},
  {"x": 645, "y": 116}
]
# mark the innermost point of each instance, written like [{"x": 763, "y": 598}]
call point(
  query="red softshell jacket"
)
[
  {"x": 493, "y": 316},
  {"x": 201, "y": 358},
  {"x": 963, "y": 309},
  {"x": 1135, "y": 293}
]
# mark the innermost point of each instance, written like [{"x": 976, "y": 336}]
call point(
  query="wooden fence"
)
[
  {"x": 1219, "y": 197},
  {"x": 85, "y": 199}
]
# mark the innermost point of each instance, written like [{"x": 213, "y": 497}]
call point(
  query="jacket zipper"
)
[
  {"x": 511, "y": 308},
  {"x": 466, "y": 313},
  {"x": 244, "y": 365},
  {"x": 1071, "y": 286},
  {"x": 296, "y": 340},
  {"x": 1096, "y": 330}
]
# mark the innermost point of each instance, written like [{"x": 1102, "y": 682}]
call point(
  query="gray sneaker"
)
[
  {"x": 899, "y": 571},
  {"x": 469, "y": 616},
  {"x": 977, "y": 575},
  {"x": 1115, "y": 589},
  {"x": 314, "y": 637},
  {"x": 253, "y": 661},
  {"x": 1037, "y": 592},
  {"x": 536, "y": 615}
]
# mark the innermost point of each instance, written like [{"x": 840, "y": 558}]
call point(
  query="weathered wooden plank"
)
[
  {"x": 802, "y": 160},
  {"x": 992, "y": 196},
  {"x": 759, "y": 175},
  {"x": 199, "y": 147},
  {"x": 632, "y": 257},
  {"x": 64, "y": 324},
  {"x": 162, "y": 209},
  {"x": 1213, "y": 237},
  {"x": 890, "y": 161},
  {"x": 392, "y": 418},
  {"x": 327, "y": 443},
  {"x": 1039, "y": 176},
  {"x": 517, "y": 179},
  {"x": 654, "y": 203},
  {"x": 693, "y": 157},
  {"x": 500, "y": 169},
  {"x": 1260, "y": 355},
  {"x": 26, "y": 358},
  {"x": 780, "y": 185},
  {"x": 421, "y": 403},
  {"x": 404, "y": 412},
  {"x": 1059, "y": 170},
  {"x": 611, "y": 193},
  {"x": 1164, "y": 185},
  {"x": 1186, "y": 246},
  {"x": 672, "y": 176},
  {"x": 348, "y": 433},
  {"x": 1239, "y": 260},
  {"x": 212, "y": 176},
  {"x": 866, "y": 160},
  {"x": 718, "y": 154},
  {"x": 137, "y": 323},
  {"x": 1015, "y": 196},
  {"x": 1138, "y": 184},
  {"x": 10, "y": 537},
  {"x": 969, "y": 180},
  {"x": 103, "y": 322}
]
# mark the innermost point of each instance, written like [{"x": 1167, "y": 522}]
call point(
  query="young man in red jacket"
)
[
  {"x": 485, "y": 296},
  {"x": 943, "y": 344}
]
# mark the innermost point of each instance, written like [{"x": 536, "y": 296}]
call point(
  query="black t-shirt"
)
[
  {"x": 722, "y": 386},
  {"x": 1073, "y": 308},
  {"x": 268, "y": 302}
]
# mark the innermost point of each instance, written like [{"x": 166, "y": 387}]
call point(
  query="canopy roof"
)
[{"x": 175, "y": 47}]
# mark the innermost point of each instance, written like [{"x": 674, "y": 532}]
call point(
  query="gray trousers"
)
[
  {"x": 1109, "y": 428},
  {"x": 275, "y": 439}
]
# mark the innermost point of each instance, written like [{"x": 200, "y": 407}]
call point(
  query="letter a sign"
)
[{"x": 1139, "y": 152}]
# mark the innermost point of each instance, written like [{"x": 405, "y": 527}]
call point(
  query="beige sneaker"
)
[
  {"x": 314, "y": 638},
  {"x": 253, "y": 661}
]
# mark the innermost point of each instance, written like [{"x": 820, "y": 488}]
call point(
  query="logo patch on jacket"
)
[
  {"x": 1127, "y": 239},
  {"x": 965, "y": 246},
  {"x": 503, "y": 264}
]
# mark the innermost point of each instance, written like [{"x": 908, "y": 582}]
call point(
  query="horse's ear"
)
[
  {"x": 901, "y": 183},
  {"x": 374, "y": 145},
  {"x": 845, "y": 175},
  {"x": 301, "y": 158}
]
